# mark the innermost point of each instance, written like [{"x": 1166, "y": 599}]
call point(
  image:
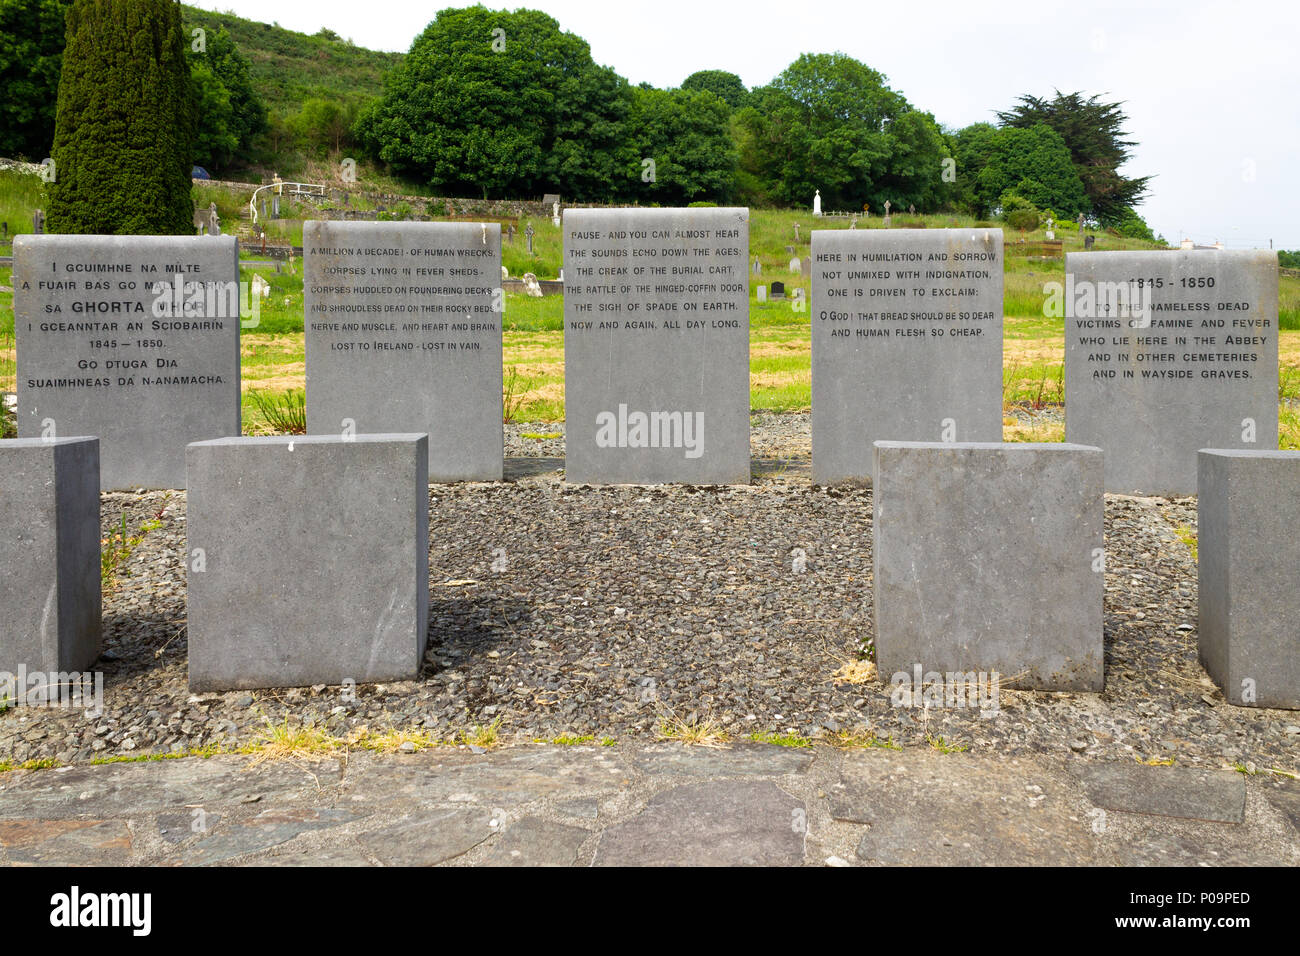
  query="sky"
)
[{"x": 1210, "y": 88}]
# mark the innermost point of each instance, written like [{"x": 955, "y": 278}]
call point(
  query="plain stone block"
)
[
  {"x": 307, "y": 559},
  {"x": 403, "y": 334},
  {"x": 1166, "y": 353},
  {"x": 656, "y": 346},
  {"x": 906, "y": 342},
  {"x": 132, "y": 339},
  {"x": 49, "y": 554},
  {"x": 1248, "y": 509},
  {"x": 988, "y": 557}
]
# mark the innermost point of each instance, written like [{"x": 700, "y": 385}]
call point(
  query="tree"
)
[
  {"x": 124, "y": 126},
  {"x": 500, "y": 102},
  {"x": 322, "y": 124},
  {"x": 31, "y": 47},
  {"x": 686, "y": 133},
  {"x": 1094, "y": 134},
  {"x": 830, "y": 123},
  {"x": 230, "y": 112},
  {"x": 728, "y": 87},
  {"x": 1033, "y": 163}
]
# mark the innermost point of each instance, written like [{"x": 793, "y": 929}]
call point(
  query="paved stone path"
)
[{"x": 667, "y": 804}]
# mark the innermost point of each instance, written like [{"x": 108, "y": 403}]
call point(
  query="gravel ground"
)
[{"x": 611, "y": 607}]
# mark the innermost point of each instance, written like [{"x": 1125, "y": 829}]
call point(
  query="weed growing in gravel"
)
[
  {"x": 1188, "y": 537},
  {"x": 856, "y": 672},
  {"x": 945, "y": 747},
  {"x": 284, "y": 413},
  {"x": 44, "y": 763},
  {"x": 539, "y": 436},
  {"x": 608, "y": 742},
  {"x": 1155, "y": 762},
  {"x": 210, "y": 750},
  {"x": 116, "y": 548},
  {"x": 480, "y": 736},
  {"x": 696, "y": 731},
  {"x": 568, "y": 740},
  {"x": 781, "y": 740},
  {"x": 282, "y": 741}
]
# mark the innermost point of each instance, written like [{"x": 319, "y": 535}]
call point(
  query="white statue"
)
[{"x": 817, "y": 203}]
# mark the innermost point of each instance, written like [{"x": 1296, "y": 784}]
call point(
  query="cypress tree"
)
[{"x": 124, "y": 128}]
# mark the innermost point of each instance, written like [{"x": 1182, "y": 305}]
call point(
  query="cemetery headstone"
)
[
  {"x": 945, "y": 516},
  {"x": 805, "y": 266},
  {"x": 906, "y": 342},
  {"x": 887, "y": 219},
  {"x": 656, "y": 345},
  {"x": 761, "y": 293},
  {"x": 133, "y": 339},
  {"x": 1248, "y": 506},
  {"x": 758, "y": 268},
  {"x": 796, "y": 266},
  {"x": 404, "y": 335},
  {"x": 778, "y": 290},
  {"x": 531, "y": 286},
  {"x": 38, "y": 222},
  {"x": 309, "y": 560},
  {"x": 49, "y": 554},
  {"x": 1168, "y": 352},
  {"x": 796, "y": 232},
  {"x": 817, "y": 203},
  {"x": 528, "y": 234},
  {"x": 1088, "y": 241}
]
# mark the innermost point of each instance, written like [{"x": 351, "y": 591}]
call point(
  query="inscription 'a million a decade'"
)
[{"x": 404, "y": 335}]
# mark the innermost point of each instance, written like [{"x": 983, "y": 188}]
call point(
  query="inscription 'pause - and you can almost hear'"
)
[
  {"x": 906, "y": 342},
  {"x": 404, "y": 335},
  {"x": 656, "y": 345}
]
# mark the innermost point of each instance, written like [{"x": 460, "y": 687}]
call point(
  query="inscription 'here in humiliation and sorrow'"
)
[{"x": 906, "y": 342}]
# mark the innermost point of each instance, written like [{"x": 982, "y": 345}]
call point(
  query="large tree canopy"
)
[
  {"x": 31, "y": 47},
  {"x": 830, "y": 123},
  {"x": 1032, "y": 163},
  {"x": 230, "y": 113},
  {"x": 500, "y": 102},
  {"x": 124, "y": 129},
  {"x": 1094, "y": 134},
  {"x": 685, "y": 132},
  {"x": 726, "y": 86}
]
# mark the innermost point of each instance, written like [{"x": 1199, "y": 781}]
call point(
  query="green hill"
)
[{"x": 288, "y": 67}]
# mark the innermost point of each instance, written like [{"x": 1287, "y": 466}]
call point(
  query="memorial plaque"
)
[
  {"x": 307, "y": 560},
  {"x": 906, "y": 342},
  {"x": 1248, "y": 506},
  {"x": 403, "y": 330},
  {"x": 1167, "y": 353},
  {"x": 656, "y": 345},
  {"x": 50, "y": 569},
  {"x": 988, "y": 558},
  {"x": 133, "y": 340}
]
